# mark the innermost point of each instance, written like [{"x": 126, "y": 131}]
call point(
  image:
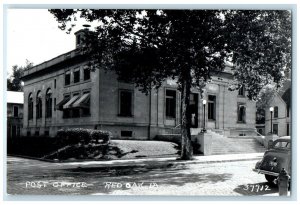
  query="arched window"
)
[
  {"x": 49, "y": 103},
  {"x": 30, "y": 106},
  {"x": 39, "y": 105}
]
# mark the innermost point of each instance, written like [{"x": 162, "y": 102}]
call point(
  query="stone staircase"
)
[
  {"x": 220, "y": 143},
  {"x": 236, "y": 145}
]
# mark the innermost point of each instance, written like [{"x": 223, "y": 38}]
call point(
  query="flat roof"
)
[{"x": 15, "y": 97}]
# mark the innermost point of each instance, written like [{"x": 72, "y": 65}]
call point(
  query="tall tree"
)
[
  {"x": 14, "y": 82},
  {"x": 148, "y": 46}
]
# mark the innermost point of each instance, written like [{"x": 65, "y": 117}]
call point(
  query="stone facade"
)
[{"x": 120, "y": 107}]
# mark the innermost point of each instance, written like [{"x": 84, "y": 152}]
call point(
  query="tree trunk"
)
[{"x": 186, "y": 144}]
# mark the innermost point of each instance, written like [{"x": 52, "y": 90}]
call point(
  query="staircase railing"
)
[
  {"x": 175, "y": 129},
  {"x": 259, "y": 137}
]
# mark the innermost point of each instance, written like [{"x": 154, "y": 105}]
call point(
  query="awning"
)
[
  {"x": 82, "y": 102},
  {"x": 70, "y": 102},
  {"x": 59, "y": 106}
]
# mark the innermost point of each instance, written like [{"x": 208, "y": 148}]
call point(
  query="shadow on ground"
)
[{"x": 257, "y": 189}]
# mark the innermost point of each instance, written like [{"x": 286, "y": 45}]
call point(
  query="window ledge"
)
[
  {"x": 78, "y": 83},
  {"x": 170, "y": 118},
  {"x": 85, "y": 116},
  {"x": 119, "y": 115}
]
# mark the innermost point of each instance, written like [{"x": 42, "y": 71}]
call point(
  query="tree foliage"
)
[
  {"x": 148, "y": 46},
  {"x": 14, "y": 82},
  {"x": 261, "y": 47}
]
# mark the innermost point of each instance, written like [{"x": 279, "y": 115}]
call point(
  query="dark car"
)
[{"x": 277, "y": 156}]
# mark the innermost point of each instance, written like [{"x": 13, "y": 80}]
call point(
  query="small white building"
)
[
  {"x": 15, "y": 102},
  {"x": 281, "y": 116}
]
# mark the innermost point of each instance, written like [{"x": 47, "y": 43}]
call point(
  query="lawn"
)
[
  {"x": 116, "y": 149},
  {"x": 132, "y": 149}
]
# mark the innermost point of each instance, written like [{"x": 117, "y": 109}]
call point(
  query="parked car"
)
[{"x": 277, "y": 156}]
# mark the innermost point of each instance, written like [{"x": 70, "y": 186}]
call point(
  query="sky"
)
[{"x": 33, "y": 34}]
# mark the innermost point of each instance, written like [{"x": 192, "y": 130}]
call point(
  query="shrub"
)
[
  {"x": 101, "y": 135},
  {"x": 81, "y": 135}
]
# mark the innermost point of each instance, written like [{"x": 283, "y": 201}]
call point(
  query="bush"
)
[
  {"x": 81, "y": 135},
  {"x": 101, "y": 135}
]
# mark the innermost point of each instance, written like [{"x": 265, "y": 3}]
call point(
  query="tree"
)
[
  {"x": 148, "y": 46},
  {"x": 14, "y": 82},
  {"x": 265, "y": 97}
]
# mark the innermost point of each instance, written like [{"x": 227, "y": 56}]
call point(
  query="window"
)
[
  {"x": 275, "y": 112},
  {"x": 16, "y": 111},
  {"x": 287, "y": 111},
  {"x": 67, "y": 78},
  {"x": 49, "y": 103},
  {"x": 54, "y": 83},
  {"x": 126, "y": 133},
  {"x": 275, "y": 129},
  {"x": 86, "y": 74},
  {"x": 125, "y": 103},
  {"x": 242, "y": 113},
  {"x": 66, "y": 112},
  {"x": 86, "y": 107},
  {"x": 47, "y": 133},
  {"x": 171, "y": 103},
  {"x": 39, "y": 105},
  {"x": 75, "y": 113},
  {"x": 76, "y": 75},
  {"x": 211, "y": 103},
  {"x": 242, "y": 91},
  {"x": 30, "y": 107},
  {"x": 288, "y": 129},
  {"x": 28, "y": 134},
  {"x": 282, "y": 144}
]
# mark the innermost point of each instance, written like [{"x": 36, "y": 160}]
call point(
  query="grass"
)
[
  {"x": 116, "y": 149},
  {"x": 132, "y": 149}
]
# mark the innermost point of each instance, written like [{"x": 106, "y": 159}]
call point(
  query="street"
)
[{"x": 32, "y": 177}]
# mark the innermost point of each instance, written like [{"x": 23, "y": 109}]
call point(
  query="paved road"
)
[{"x": 27, "y": 176}]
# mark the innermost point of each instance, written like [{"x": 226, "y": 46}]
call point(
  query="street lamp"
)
[
  {"x": 204, "y": 103},
  {"x": 271, "y": 111}
]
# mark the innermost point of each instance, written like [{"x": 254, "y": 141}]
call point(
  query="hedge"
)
[{"x": 81, "y": 135}]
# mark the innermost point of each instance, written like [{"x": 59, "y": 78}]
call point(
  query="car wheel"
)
[{"x": 270, "y": 179}]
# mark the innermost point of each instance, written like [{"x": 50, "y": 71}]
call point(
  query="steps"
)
[
  {"x": 222, "y": 144},
  {"x": 237, "y": 145}
]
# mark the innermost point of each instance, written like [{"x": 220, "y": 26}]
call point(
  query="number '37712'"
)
[{"x": 256, "y": 188}]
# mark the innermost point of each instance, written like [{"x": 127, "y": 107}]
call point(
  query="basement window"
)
[{"x": 126, "y": 133}]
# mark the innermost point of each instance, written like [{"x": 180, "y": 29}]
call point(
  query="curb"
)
[
  {"x": 142, "y": 164},
  {"x": 153, "y": 165}
]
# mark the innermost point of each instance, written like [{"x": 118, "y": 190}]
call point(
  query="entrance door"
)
[{"x": 193, "y": 108}]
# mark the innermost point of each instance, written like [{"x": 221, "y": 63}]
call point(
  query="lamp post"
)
[
  {"x": 271, "y": 112},
  {"x": 204, "y": 103}
]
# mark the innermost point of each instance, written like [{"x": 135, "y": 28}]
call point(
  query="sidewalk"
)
[{"x": 161, "y": 162}]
